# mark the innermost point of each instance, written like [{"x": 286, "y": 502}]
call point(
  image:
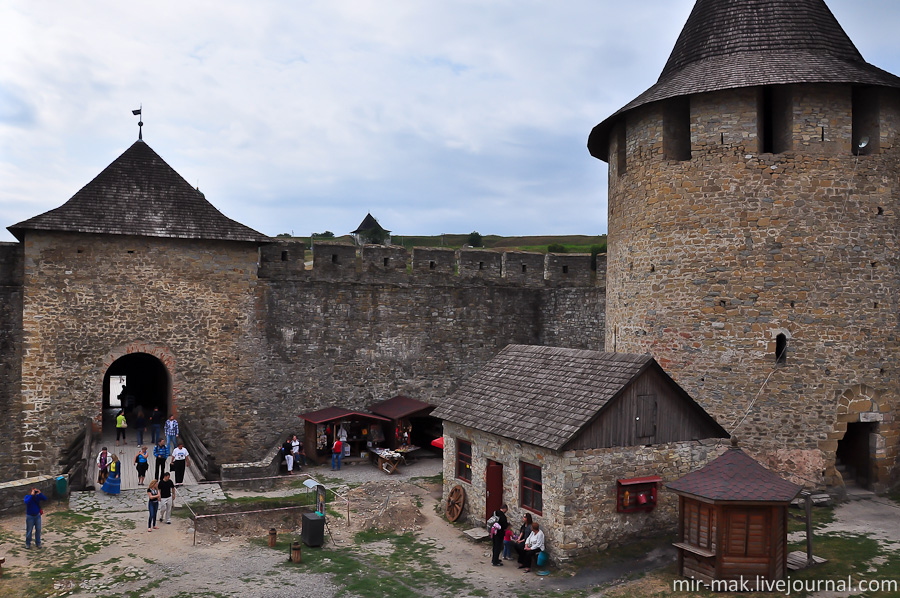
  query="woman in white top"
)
[{"x": 533, "y": 545}]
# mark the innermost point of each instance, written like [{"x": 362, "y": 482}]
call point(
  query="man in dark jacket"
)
[{"x": 498, "y": 534}]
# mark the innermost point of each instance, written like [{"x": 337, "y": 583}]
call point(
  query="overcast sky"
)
[{"x": 302, "y": 116}]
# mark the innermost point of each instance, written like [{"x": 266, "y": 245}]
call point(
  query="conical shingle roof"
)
[
  {"x": 139, "y": 194},
  {"x": 728, "y": 44}
]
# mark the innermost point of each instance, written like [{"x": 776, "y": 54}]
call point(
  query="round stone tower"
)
[{"x": 754, "y": 196}]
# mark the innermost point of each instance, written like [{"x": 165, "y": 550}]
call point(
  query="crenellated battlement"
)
[{"x": 376, "y": 263}]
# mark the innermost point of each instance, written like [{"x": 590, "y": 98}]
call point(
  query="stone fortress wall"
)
[
  {"x": 250, "y": 338},
  {"x": 738, "y": 222}
]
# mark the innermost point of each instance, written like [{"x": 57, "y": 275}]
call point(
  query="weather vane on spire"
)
[{"x": 140, "y": 122}]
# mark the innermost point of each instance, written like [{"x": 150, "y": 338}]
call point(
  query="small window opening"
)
[
  {"x": 131, "y": 251},
  {"x": 619, "y": 137},
  {"x": 565, "y": 269},
  {"x": 524, "y": 268},
  {"x": 880, "y": 211},
  {"x": 780, "y": 349},
  {"x": 284, "y": 256},
  {"x": 875, "y": 305},
  {"x": 387, "y": 262},
  {"x": 792, "y": 304},
  {"x": 431, "y": 265},
  {"x": 773, "y": 120},
  {"x": 334, "y": 259},
  {"x": 677, "y": 129},
  {"x": 652, "y": 268},
  {"x": 866, "y": 121},
  {"x": 874, "y": 264},
  {"x": 481, "y": 265},
  {"x": 722, "y": 303},
  {"x": 80, "y": 250},
  {"x": 722, "y": 138}
]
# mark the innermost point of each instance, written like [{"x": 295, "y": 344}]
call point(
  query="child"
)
[{"x": 507, "y": 544}]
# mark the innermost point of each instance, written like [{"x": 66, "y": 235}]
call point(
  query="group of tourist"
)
[
  {"x": 293, "y": 454},
  {"x": 159, "y": 426},
  {"x": 527, "y": 543},
  {"x": 109, "y": 474}
]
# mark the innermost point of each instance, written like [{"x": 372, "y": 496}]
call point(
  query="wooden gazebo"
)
[{"x": 733, "y": 520}]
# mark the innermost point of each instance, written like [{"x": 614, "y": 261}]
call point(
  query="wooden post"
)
[
  {"x": 295, "y": 552},
  {"x": 273, "y": 537}
]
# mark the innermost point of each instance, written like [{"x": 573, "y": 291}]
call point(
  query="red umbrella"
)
[{"x": 438, "y": 442}]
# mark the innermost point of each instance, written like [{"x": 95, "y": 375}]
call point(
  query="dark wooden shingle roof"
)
[
  {"x": 139, "y": 194},
  {"x": 541, "y": 395},
  {"x": 735, "y": 476},
  {"x": 727, "y": 44},
  {"x": 368, "y": 223},
  {"x": 399, "y": 407}
]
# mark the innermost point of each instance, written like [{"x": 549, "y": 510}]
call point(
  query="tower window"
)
[
  {"x": 677, "y": 129},
  {"x": 334, "y": 259},
  {"x": 524, "y": 268},
  {"x": 619, "y": 137},
  {"x": 387, "y": 262},
  {"x": 565, "y": 269},
  {"x": 481, "y": 265},
  {"x": 866, "y": 121},
  {"x": 284, "y": 256},
  {"x": 780, "y": 349},
  {"x": 431, "y": 265},
  {"x": 773, "y": 120}
]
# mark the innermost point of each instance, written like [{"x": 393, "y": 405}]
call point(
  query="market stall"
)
[
  {"x": 410, "y": 422},
  {"x": 357, "y": 430}
]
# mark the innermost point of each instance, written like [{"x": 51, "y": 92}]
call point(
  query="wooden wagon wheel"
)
[{"x": 455, "y": 501}]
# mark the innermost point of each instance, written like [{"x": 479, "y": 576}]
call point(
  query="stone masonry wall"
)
[
  {"x": 579, "y": 487},
  {"x": 89, "y": 298},
  {"x": 351, "y": 344},
  {"x": 710, "y": 259},
  {"x": 11, "y": 257}
]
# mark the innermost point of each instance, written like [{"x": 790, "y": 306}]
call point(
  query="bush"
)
[
  {"x": 556, "y": 248},
  {"x": 475, "y": 239},
  {"x": 595, "y": 249}
]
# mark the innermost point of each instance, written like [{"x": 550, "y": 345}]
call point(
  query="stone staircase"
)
[{"x": 852, "y": 490}]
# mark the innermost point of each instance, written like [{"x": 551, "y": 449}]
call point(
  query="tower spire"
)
[{"x": 140, "y": 122}]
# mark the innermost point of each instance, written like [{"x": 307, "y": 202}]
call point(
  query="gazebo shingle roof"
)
[
  {"x": 727, "y": 44},
  {"x": 541, "y": 395},
  {"x": 735, "y": 476},
  {"x": 139, "y": 194}
]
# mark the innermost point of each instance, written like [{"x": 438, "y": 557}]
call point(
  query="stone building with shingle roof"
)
[
  {"x": 558, "y": 432},
  {"x": 752, "y": 244}
]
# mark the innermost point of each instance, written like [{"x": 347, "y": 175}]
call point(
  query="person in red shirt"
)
[{"x": 337, "y": 451}]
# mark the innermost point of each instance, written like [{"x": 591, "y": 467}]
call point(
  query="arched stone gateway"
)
[
  {"x": 144, "y": 374},
  {"x": 858, "y": 449}
]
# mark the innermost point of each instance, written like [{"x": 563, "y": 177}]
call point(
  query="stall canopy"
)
[
  {"x": 399, "y": 407},
  {"x": 330, "y": 414}
]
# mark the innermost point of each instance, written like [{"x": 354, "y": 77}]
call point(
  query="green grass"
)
[{"x": 408, "y": 568}]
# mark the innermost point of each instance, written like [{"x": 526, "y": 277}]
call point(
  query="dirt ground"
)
[{"x": 112, "y": 554}]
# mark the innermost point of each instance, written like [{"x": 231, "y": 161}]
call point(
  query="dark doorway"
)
[
  {"x": 146, "y": 385},
  {"x": 493, "y": 487},
  {"x": 854, "y": 457}
]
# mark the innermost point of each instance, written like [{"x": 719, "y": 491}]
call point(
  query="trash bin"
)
[{"x": 61, "y": 486}]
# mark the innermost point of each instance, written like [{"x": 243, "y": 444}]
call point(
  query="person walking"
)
[
  {"x": 113, "y": 483},
  {"x": 103, "y": 460},
  {"x": 180, "y": 460},
  {"x": 121, "y": 426},
  {"x": 166, "y": 497},
  {"x": 171, "y": 432},
  {"x": 152, "y": 504},
  {"x": 161, "y": 453},
  {"x": 142, "y": 463},
  {"x": 287, "y": 451},
  {"x": 337, "y": 451},
  {"x": 33, "y": 514},
  {"x": 156, "y": 424},
  {"x": 498, "y": 533},
  {"x": 140, "y": 424}
]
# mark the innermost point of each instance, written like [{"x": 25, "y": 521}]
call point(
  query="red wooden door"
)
[{"x": 493, "y": 483}]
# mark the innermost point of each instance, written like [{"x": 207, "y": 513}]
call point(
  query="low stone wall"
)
[
  {"x": 253, "y": 522},
  {"x": 12, "y": 493},
  {"x": 267, "y": 467}
]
